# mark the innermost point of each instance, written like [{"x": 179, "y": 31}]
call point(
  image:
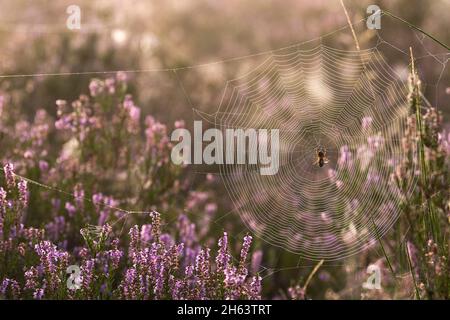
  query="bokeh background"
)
[{"x": 190, "y": 35}]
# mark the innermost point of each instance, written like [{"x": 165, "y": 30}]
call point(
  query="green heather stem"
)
[
  {"x": 311, "y": 275},
  {"x": 430, "y": 219},
  {"x": 411, "y": 270},
  {"x": 416, "y": 28},
  {"x": 382, "y": 249}
]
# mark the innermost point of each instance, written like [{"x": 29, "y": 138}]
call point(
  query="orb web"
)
[{"x": 351, "y": 104}]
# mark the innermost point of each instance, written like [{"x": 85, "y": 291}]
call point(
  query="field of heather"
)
[{"x": 238, "y": 150}]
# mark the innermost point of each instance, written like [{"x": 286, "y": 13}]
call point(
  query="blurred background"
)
[{"x": 191, "y": 35}]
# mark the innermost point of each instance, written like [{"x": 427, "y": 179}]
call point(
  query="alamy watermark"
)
[
  {"x": 233, "y": 146},
  {"x": 73, "y": 21},
  {"x": 374, "y": 20},
  {"x": 74, "y": 279},
  {"x": 374, "y": 280}
]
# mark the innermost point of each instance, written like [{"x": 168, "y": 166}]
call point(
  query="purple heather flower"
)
[
  {"x": 223, "y": 257},
  {"x": 175, "y": 288},
  {"x": 297, "y": 293},
  {"x": 3, "y": 203},
  {"x": 179, "y": 124},
  {"x": 211, "y": 208},
  {"x": 121, "y": 76},
  {"x": 43, "y": 165},
  {"x": 256, "y": 261},
  {"x": 110, "y": 85},
  {"x": 56, "y": 228},
  {"x": 2, "y": 101},
  {"x": 70, "y": 209},
  {"x": 78, "y": 193},
  {"x": 189, "y": 255},
  {"x": 13, "y": 286},
  {"x": 156, "y": 225},
  {"x": 345, "y": 158},
  {"x": 244, "y": 252},
  {"x": 87, "y": 274},
  {"x": 128, "y": 284},
  {"x": 23, "y": 192},
  {"x": 4, "y": 286},
  {"x": 146, "y": 233},
  {"x": 51, "y": 260},
  {"x": 255, "y": 288},
  {"x": 186, "y": 230},
  {"x": 56, "y": 204},
  {"x": 39, "y": 294},
  {"x": 159, "y": 282},
  {"x": 135, "y": 244},
  {"x": 104, "y": 206},
  {"x": 375, "y": 142},
  {"x": 31, "y": 278},
  {"x": 324, "y": 276},
  {"x": 9, "y": 175},
  {"x": 96, "y": 87},
  {"x": 128, "y": 105},
  {"x": 366, "y": 122},
  {"x": 202, "y": 263},
  {"x": 167, "y": 240},
  {"x": 233, "y": 280},
  {"x": 114, "y": 257}
]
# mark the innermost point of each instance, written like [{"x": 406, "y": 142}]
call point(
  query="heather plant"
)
[
  {"x": 426, "y": 210},
  {"x": 100, "y": 154},
  {"x": 150, "y": 265},
  {"x": 414, "y": 255},
  {"x": 100, "y": 146}
]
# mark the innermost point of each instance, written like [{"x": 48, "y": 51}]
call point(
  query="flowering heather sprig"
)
[
  {"x": 146, "y": 233},
  {"x": 103, "y": 205},
  {"x": 154, "y": 272},
  {"x": 9, "y": 175},
  {"x": 134, "y": 114},
  {"x": 244, "y": 252},
  {"x": 78, "y": 194},
  {"x": 297, "y": 293},
  {"x": 186, "y": 230},
  {"x": 202, "y": 271},
  {"x": 96, "y": 87},
  {"x": 223, "y": 257},
  {"x": 427, "y": 161},
  {"x": 135, "y": 244},
  {"x": 130, "y": 288},
  {"x": 56, "y": 228},
  {"x": 39, "y": 293},
  {"x": 14, "y": 288},
  {"x": 255, "y": 288},
  {"x": 53, "y": 262},
  {"x": 3, "y": 203},
  {"x": 79, "y": 121},
  {"x": 114, "y": 255},
  {"x": 256, "y": 261},
  {"x": 152, "y": 265},
  {"x": 87, "y": 275},
  {"x": 31, "y": 278},
  {"x": 23, "y": 193},
  {"x": 2, "y": 101},
  {"x": 156, "y": 225},
  {"x": 158, "y": 143}
]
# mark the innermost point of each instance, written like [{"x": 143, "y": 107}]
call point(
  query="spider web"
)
[{"x": 348, "y": 102}]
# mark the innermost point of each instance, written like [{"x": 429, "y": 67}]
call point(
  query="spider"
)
[{"x": 321, "y": 154}]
